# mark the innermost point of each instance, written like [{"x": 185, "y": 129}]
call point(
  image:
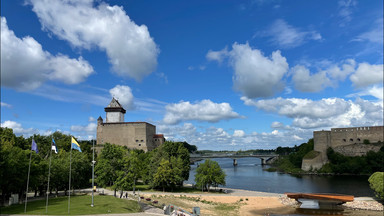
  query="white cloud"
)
[
  {"x": 219, "y": 138},
  {"x": 91, "y": 119},
  {"x": 88, "y": 130},
  {"x": 374, "y": 91},
  {"x": 330, "y": 74},
  {"x": 88, "y": 23},
  {"x": 306, "y": 82},
  {"x": 18, "y": 129},
  {"x": 124, "y": 95},
  {"x": 68, "y": 70},
  {"x": 256, "y": 75},
  {"x": 374, "y": 35},
  {"x": 367, "y": 74},
  {"x": 345, "y": 11},
  {"x": 26, "y": 66},
  {"x": 217, "y": 55},
  {"x": 325, "y": 113},
  {"x": 204, "y": 110},
  {"x": 238, "y": 133},
  {"x": 287, "y": 36},
  {"x": 6, "y": 105}
]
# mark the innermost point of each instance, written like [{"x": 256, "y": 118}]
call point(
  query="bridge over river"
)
[{"x": 265, "y": 158}]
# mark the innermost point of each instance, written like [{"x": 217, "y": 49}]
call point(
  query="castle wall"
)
[
  {"x": 356, "y": 135},
  {"x": 134, "y": 135},
  {"x": 347, "y": 141}
]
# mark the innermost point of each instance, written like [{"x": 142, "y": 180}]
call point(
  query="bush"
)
[
  {"x": 376, "y": 182},
  {"x": 312, "y": 154}
]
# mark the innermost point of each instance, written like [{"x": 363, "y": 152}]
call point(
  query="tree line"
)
[
  {"x": 14, "y": 162},
  {"x": 117, "y": 167}
]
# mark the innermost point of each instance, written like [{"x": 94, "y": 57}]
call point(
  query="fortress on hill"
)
[
  {"x": 353, "y": 141},
  {"x": 134, "y": 135}
]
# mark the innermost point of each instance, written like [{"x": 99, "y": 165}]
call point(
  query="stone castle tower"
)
[{"x": 134, "y": 135}]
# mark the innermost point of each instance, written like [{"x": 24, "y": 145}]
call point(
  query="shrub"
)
[{"x": 376, "y": 182}]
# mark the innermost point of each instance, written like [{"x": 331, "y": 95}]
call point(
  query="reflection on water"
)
[{"x": 249, "y": 175}]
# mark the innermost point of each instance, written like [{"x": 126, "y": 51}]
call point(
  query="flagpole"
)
[
  {"x": 93, "y": 169},
  {"x": 49, "y": 175},
  {"x": 29, "y": 170},
  {"x": 70, "y": 163}
]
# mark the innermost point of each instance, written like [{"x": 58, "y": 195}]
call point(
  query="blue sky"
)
[{"x": 217, "y": 74}]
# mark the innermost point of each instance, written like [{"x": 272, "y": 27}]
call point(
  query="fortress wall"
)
[
  {"x": 314, "y": 163},
  {"x": 322, "y": 140},
  {"x": 133, "y": 135},
  {"x": 356, "y": 149},
  {"x": 348, "y": 136},
  {"x": 150, "y": 132}
]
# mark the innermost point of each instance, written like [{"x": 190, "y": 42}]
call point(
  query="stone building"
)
[
  {"x": 347, "y": 141},
  {"x": 134, "y": 135}
]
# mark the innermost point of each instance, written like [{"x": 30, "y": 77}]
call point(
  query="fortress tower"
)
[
  {"x": 134, "y": 135},
  {"x": 114, "y": 112}
]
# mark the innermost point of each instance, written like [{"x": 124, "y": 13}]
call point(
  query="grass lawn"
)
[{"x": 80, "y": 205}]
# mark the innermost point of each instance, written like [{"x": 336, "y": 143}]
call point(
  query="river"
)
[{"x": 249, "y": 175}]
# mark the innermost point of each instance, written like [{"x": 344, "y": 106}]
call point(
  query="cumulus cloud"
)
[
  {"x": 256, "y": 75},
  {"x": 18, "y": 129},
  {"x": 367, "y": 74},
  {"x": 306, "y": 82},
  {"x": 218, "y": 56},
  {"x": 324, "y": 113},
  {"x": 238, "y": 133},
  {"x": 205, "y": 110},
  {"x": 124, "y": 95},
  {"x": 361, "y": 75},
  {"x": 374, "y": 91},
  {"x": 220, "y": 138},
  {"x": 26, "y": 66},
  {"x": 287, "y": 36},
  {"x": 88, "y": 23},
  {"x": 88, "y": 131}
]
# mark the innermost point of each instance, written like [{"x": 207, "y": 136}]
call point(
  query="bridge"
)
[{"x": 265, "y": 158}]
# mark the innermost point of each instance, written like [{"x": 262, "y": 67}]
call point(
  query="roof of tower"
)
[{"x": 114, "y": 106}]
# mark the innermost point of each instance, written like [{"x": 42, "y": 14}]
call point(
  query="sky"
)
[{"x": 221, "y": 75}]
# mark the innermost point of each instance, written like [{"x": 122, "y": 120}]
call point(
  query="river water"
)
[{"x": 249, "y": 175}]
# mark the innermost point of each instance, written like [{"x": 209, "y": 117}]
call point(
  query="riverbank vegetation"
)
[
  {"x": 338, "y": 163},
  {"x": 376, "y": 182},
  {"x": 209, "y": 174}
]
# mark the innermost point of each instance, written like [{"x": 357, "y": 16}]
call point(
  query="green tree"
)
[
  {"x": 108, "y": 166},
  {"x": 163, "y": 174},
  {"x": 376, "y": 182},
  {"x": 209, "y": 174}
]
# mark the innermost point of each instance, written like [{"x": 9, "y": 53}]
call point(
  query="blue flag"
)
[
  {"x": 34, "y": 146},
  {"x": 75, "y": 145},
  {"x": 54, "y": 147}
]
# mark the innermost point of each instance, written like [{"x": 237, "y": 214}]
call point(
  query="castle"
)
[
  {"x": 353, "y": 141},
  {"x": 134, "y": 135}
]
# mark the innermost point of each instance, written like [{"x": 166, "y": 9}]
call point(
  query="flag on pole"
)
[
  {"x": 75, "y": 145},
  {"x": 34, "y": 146},
  {"x": 54, "y": 147}
]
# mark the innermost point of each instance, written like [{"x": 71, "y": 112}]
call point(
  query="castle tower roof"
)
[{"x": 114, "y": 106}]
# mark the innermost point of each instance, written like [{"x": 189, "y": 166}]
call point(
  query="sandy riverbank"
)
[{"x": 262, "y": 203}]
